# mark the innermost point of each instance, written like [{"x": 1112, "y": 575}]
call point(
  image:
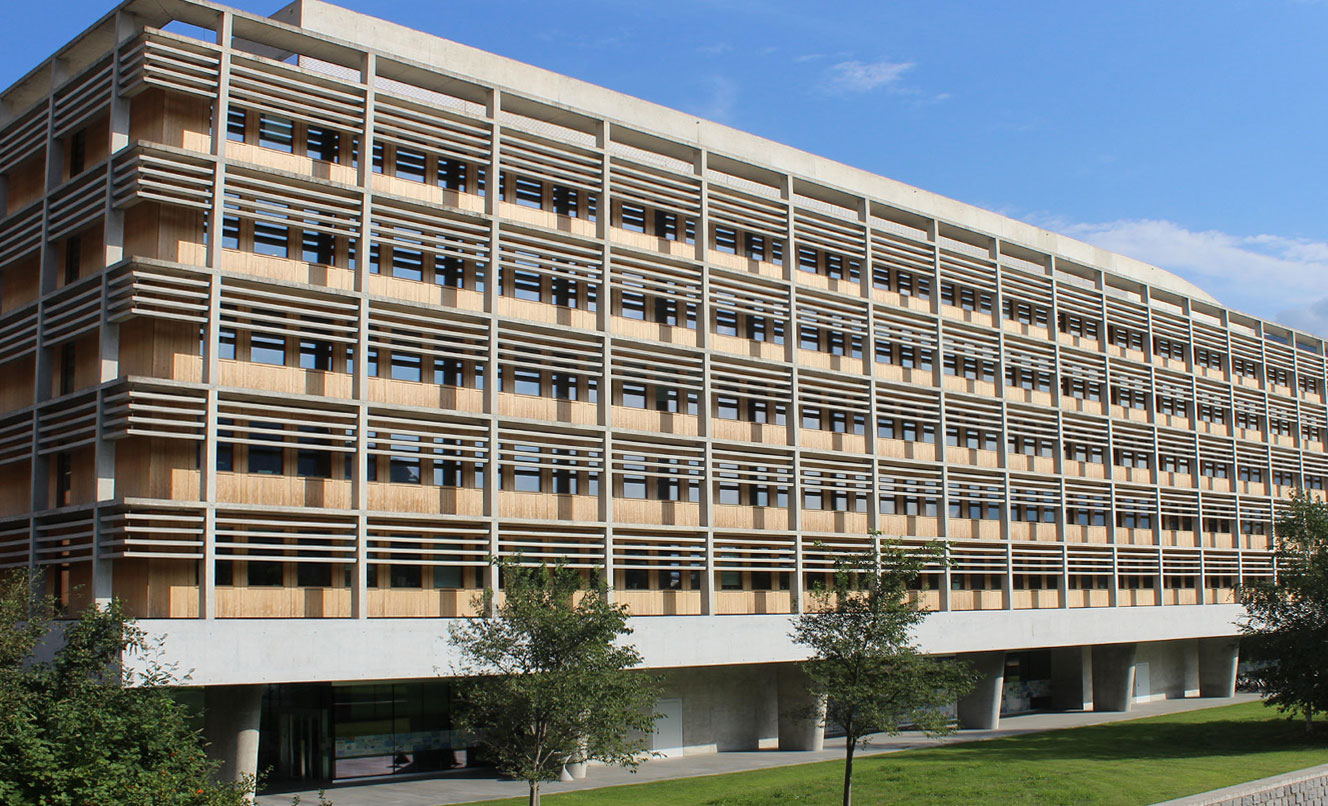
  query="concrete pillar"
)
[
  {"x": 1113, "y": 677},
  {"x": 230, "y": 723},
  {"x": 1072, "y": 678},
  {"x": 1218, "y": 659},
  {"x": 981, "y": 709},
  {"x": 801, "y": 713}
]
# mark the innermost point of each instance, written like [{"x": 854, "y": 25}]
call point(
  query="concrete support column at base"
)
[
  {"x": 1218, "y": 660},
  {"x": 981, "y": 709},
  {"x": 1113, "y": 677},
  {"x": 801, "y": 713},
  {"x": 230, "y": 723},
  {"x": 1072, "y": 678}
]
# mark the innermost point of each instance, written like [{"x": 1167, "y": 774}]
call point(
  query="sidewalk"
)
[{"x": 464, "y": 786}]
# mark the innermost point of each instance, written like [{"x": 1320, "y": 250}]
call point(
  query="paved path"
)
[{"x": 465, "y": 786}]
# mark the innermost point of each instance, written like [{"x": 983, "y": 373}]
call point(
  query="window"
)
[
  {"x": 318, "y": 247},
  {"x": 235, "y": 124},
  {"x": 265, "y": 348},
  {"x": 264, "y": 574},
  {"x": 406, "y": 367},
  {"x": 73, "y": 258},
  {"x": 266, "y": 459},
  {"x": 271, "y": 238},
  {"x": 78, "y": 152},
  {"x": 64, "y": 479},
  {"x": 323, "y": 144},
  {"x": 315, "y": 354},
  {"x": 276, "y": 133}
]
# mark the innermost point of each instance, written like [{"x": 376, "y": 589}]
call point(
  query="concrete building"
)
[{"x": 305, "y": 318}]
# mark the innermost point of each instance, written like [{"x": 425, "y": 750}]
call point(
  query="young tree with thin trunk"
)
[
  {"x": 548, "y": 680},
  {"x": 864, "y": 662},
  {"x": 1286, "y": 618}
]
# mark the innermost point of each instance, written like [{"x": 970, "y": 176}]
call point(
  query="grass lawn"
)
[{"x": 1137, "y": 762}]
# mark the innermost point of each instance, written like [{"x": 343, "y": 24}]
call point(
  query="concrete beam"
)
[
  {"x": 227, "y": 651},
  {"x": 981, "y": 709},
  {"x": 1113, "y": 677}
]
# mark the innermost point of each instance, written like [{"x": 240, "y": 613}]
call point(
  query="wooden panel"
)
[
  {"x": 654, "y": 331},
  {"x": 908, "y": 525},
  {"x": 545, "y": 218},
  {"x": 832, "y": 441},
  {"x": 751, "y": 517},
  {"x": 15, "y": 488},
  {"x": 977, "y": 600},
  {"x": 160, "y": 349},
  {"x": 420, "y": 603},
  {"x": 973, "y": 528},
  {"x": 171, "y": 118},
  {"x": 661, "y": 422},
  {"x": 543, "y": 312},
  {"x": 676, "y": 513},
  {"x": 511, "y": 404},
  {"x": 752, "y": 602},
  {"x": 235, "y": 602},
  {"x": 743, "y": 431},
  {"x": 16, "y": 391},
  {"x": 818, "y": 520},
  {"x": 741, "y": 346},
  {"x": 1029, "y": 599},
  {"x": 660, "y": 603},
  {"x": 152, "y": 467},
  {"x": 641, "y": 240},
  {"x": 165, "y": 232},
  {"x": 26, "y": 182},
  {"x": 289, "y": 491},
  {"x": 20, "y": 284},
  {"x": 286, "y": 269},
  {"x": 740, "y": 263},
  {"x": 425, "y": 499},
  {"x": 1088, "y": 598},
  {"x": 512, "y": 504},
  {"x": 410, "y": 393},
  {"x": 427, "y": 293},
  {"x": 285, "y": 379},
  {"x": 838, "y": 363},
  {"x": 293, "y": 163}
]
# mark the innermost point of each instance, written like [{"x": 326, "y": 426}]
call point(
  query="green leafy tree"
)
[
  {"x": 79, "y": 728},
  {"x": 864, "y": 662},
  {"x": 549, "y": 680},
  {"x": 1286, "y": 619}
]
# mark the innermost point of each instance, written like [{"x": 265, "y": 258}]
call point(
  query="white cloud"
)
[
  {"x": 859, "y": 76},
  {"x": 1278, "y": 278},
  {"x": 718, "y": 103}
]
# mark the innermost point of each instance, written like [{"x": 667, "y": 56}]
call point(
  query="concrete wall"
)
[
  {"x": 236, "y": 651},
  {"x": 1172, "y": 670},
  {"x": 726, "y": 708}
]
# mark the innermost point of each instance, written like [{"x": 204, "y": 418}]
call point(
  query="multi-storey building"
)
[{"x": 304, "y": 319}]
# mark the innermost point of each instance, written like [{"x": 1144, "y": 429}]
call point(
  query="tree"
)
[
  {"x": 864, "y": 662},
  {"x": 1286, "y": 618},
  {"x": 548, "y": 680},
  {"x": 80, "y": 728}
]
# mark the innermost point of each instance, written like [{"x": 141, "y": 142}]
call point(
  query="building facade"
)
[{"x": 304, "y": 319}]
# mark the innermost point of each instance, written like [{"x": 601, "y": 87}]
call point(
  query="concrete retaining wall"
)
[{"x": 1307, "y": 787}]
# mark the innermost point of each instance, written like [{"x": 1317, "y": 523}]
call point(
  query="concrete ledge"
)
[
  {"x": 1307, "y": 786},
  {"x": 235, "y": 651}
]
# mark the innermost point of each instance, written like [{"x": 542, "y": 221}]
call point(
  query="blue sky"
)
[{"x": 1188, "y": 135}]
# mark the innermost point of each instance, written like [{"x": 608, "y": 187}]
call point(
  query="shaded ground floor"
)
[
  {"x": 312, "y": 734},
  {"x": 466, "y": 786}
]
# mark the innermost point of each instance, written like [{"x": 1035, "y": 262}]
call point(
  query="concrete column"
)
[
  {"x": 1218, "y": 659},
  {"x": 1072, "y": 678},
  {"x": 981, "y": 709},
  {"x": 230, "y": 723},
  {"x": 801, "y": 713},
  {"x": 1113, "y": 677}
]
